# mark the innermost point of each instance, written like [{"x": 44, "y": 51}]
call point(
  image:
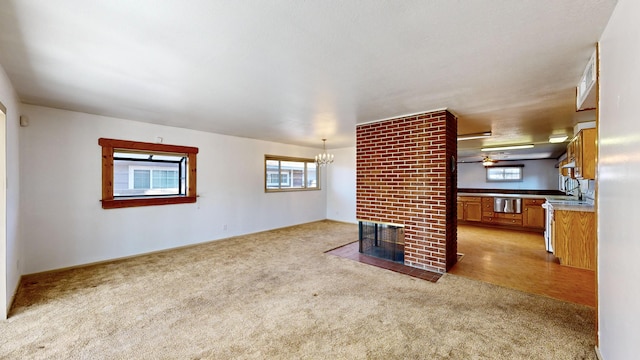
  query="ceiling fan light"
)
[{"x": 487, "y": 161}]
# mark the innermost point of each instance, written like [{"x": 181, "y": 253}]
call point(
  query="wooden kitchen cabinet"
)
[
  {"x": 574, "y": 238},
  {"x": 487, "y": 204},
  {"x": 582, "y": 150},
  {"x": 479, "y": 210},
  {"x": 487, "y": 209},
  {"x": 533, "y": 215},
  {"x": 504, "y": 219},
  {"x": 563, "y": 171},
  {"x": 471, "y": 208},
  {"x": 473, "y": 211}
]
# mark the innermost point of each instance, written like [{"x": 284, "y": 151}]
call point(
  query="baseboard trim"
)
[
  {"x": 13, "y": 297},
  {"x": 598, "y": 355}
]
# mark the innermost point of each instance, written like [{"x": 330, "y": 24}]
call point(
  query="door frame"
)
[{"x": 3, "y": 212}]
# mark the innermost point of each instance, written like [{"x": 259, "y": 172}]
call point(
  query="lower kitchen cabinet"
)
[
  {"x": 471, "y": 208},
  {"x": 533, "y": 215},
  {"x": 503, "y": 219},
  {"x": 574, "y": 238},
  {"x": 479, "y": 210}
]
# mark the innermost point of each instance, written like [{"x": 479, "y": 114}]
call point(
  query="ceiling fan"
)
[{"x": 487, "y": 161}]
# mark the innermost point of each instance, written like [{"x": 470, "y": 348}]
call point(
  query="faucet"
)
[{"x": 579, "y": 188}]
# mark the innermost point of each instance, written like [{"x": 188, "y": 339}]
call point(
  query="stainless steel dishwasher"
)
[{"x": 507, "y": 205}]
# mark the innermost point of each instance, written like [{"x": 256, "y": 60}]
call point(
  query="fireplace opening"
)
[{"x": 381, "y": 240}]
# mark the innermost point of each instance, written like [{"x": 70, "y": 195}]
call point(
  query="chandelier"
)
[{"x": 324, "y": 158}]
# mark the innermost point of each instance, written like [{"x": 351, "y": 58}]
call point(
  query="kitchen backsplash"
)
[{"x": 587, "y": 187}]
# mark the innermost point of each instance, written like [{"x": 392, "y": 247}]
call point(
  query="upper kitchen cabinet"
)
[
  {"x": 562, "y": 170},
  {"x": 588, "y": 87},
  {"x": 582, "y": 151}
]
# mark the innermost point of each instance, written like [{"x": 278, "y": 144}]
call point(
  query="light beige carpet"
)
[{"x": 277, "y": 295}]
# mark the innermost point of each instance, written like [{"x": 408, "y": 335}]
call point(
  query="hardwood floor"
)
[{"x": 518, "y": 260}]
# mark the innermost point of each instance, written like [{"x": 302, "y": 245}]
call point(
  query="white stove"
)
[{"x": 547, "y": 228}]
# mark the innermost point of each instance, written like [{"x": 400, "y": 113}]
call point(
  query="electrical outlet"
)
[{"x": 224, "y": 227}]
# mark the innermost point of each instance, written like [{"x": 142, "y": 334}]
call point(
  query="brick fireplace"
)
[{"x": 406, "y": 174}]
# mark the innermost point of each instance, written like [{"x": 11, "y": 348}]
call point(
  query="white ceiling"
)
[{"x": 298, "y": 71}]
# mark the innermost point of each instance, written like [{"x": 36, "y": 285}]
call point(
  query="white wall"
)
[
  {"x": 64, "y": 225},
  {"x": 538, "y": 175},
  {"x": 11, "y": 246},
  {"x": 341, "y": 186},
  {"x": 618, "y": 198}
]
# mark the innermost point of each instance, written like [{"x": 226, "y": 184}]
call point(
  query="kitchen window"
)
[
  {"x": 290, "y": 174},
  {"x": 505, "y": 173},
  {"x": 144, "y": 174}
]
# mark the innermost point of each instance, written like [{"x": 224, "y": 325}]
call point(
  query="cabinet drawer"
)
[
  {"x": 469, "y": 198},
  {"x": 487, "y": 213},
  {"x": 502, "y": 221},
  {"x": 534, "y": 201},
  {"x": 508, "y": 216},
  {"x": 487, "y": 200},
  {"x": 498, "y": 220}
]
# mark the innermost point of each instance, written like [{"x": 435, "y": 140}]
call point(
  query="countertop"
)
[
  {"x": 560, "y": 207},
  {"x": 522, "y": 196},
  {"x": 582, "y": 207}
]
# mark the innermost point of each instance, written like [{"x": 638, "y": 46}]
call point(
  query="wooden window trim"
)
[
  {"x": 289, "y": 158},
  {"x": 108, "y": 148}
]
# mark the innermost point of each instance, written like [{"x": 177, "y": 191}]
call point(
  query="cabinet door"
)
[
  {"x": 571, "y": 151},
  {"x": 571, "y": 155},
  {"x": 588, "y": 156},
  {"x": 563, "y": 170},
  {"x": 533, "y": 216},
  {"x": 582, "y": 150},
  {"x": 578, "y": 149},
  {"x": 574, "y": 238},
  {"x": 473, "y": 211},
  {"x": 460, "y": 207}
]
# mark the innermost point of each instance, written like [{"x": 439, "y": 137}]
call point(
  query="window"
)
[
  {"x": 275, "y": 180},
  {"x": 506, "y": 173},
  {"x": 143, "y": 174},
  {"x": 147, "y": 174},
  {"x": 287, "y": 174}
]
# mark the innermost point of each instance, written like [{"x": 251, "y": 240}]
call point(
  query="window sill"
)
[
  {"x": 290, "y": 190},
  {"x": 135, "y": 202}
]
